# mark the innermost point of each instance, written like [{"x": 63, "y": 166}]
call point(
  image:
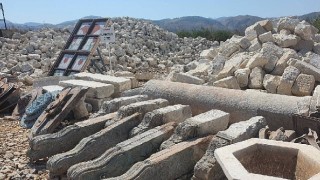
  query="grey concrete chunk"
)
[
  {"x": 120, "y": 84},
  {"x": 271, "y": 83},
  {"x": 176, "y": 113},
  {"x": 96, "y": 89},
  {"x": 228, "y": 82},
  {"x": 256, "y": 78},
  {"x": 287, "y": 80},
  {"x": 170, "y": 163},
  {"x": 186, "y": 78},
  {"x": 304, "y": 85},
  {"x": 242, "y": 76},
  {"x": 201, "y": 125},
  {"x": 142, "y": 107},
  {"x": 243, "y": 130},
  {"x": 115, "y": 104},
  {"x": 305, "y": 68}
]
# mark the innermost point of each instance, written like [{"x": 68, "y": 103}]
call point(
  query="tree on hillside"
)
[
  {"x": 316, "y": 23},
  {"x": 213, "y": 35}
]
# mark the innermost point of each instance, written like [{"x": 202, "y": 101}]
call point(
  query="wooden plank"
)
[{"x": 57, "y": 111}]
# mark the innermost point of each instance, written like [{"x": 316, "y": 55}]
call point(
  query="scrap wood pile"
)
[
  {"x": 43, "y": 111},
  {"x": 9, "y": 95}
]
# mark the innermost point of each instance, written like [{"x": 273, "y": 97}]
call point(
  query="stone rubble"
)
[
  {"x": 280, "y": 60},
  {"x": 258, "y": 58}
]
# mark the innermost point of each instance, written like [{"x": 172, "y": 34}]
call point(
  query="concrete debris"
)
[
  {"x": 197, "y": 123},
  {"x": 198, "y": 126}
]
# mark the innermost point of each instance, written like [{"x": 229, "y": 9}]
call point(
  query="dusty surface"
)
[{"x": 13, "y": 161}]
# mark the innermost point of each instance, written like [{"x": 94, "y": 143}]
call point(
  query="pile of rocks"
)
[
  {"x": 282, "y": 58},
  {"x": 29, "y": 55},
  {"x": 140, "y": 46},
  {"x": 14, "y": 163}
]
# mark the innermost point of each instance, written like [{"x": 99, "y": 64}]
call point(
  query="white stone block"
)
[
  {"x": 120, "y": 84},
  {"x": 96, "y": 89}
]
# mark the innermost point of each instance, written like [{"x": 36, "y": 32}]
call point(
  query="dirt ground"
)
[{"x": 14, "y": 163}]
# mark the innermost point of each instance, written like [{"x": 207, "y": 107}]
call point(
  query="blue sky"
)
[{"x": 56, "y": 11}]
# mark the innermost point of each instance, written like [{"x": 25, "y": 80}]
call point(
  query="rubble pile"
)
[
  {"x": 280, "y": 59},
  {"x": 140, "y": 46}
]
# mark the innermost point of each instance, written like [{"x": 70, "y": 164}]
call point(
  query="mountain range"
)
[{"x": 235, "y": 23}]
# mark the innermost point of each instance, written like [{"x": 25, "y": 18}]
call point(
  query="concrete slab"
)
[
  {"x": 267, "y": 159},
  {"x": 96, "y": 89},
  {"x": 120, "y": 158},
  {"x": 50, "y": 80},
  {"x": 120, "y": 84},
  {"x": 115, "y": 104},
  {"x": 176, "y": 113},
  {"x": 142, "y": 107},
  {"x": 186, "y": 78},
  {"x": 171, "y": 163},
  {"x": 50, "y": 144},
  {"x": 201, "y": 125},
  {"x": 94, "y": 145}
]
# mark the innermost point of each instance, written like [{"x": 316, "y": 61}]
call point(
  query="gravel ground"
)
[{"x": 14, "y": 163}]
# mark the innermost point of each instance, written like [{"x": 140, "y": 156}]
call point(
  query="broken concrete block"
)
[
  {"x": 115, "y": 104},
  {"x": 305, "y": 30},
  {"x": 242, "y": 76},
  {"x": 266, "y": 24},
  {"x": 176, "y": 113},
  {"x": 208, "y": 53},
  {"x": 198, "y": 126},
  {"x": 287, "y": 80},
  {"x": 256, "y": 78},
  {"x": 208, "y": 167},
  {"x": 305, "y": 68},
  {"x": 255, "y": 45},
  {"x": 120, "y": 158},
  {"x": 272, "y": 61},
  {"x": 266, "y": 159},
  {"x": 266, "y": 37},
  {"x": 120, "y": 84},
  {"x": 271, "y": 83},
  {"x": 96, "y": 89},
  {"x": 282, "y": 62},
  {"x": 94, "y": 145},
  {"x": 170, "y": 163},
  {"x": 186, "y": 78},
  {"x": 95, "y": 102},
  {"x": 287, "y": 23},
  {"x": 228, "y": 82},
  {"x": 50, "y": 144},
  {"x": 254, "y": 31},
  {"x": 304, "y": 85},
  {"x": 284, "y": 41},
  {"x": 243, "y": 130},
  {"x": 141, "y": 107},
  {"x": 49, "y": 81}
]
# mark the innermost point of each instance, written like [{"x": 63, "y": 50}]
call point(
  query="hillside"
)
[
  {"x": 189, "y": 23},
  {"x": 235, "y": 23}
]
